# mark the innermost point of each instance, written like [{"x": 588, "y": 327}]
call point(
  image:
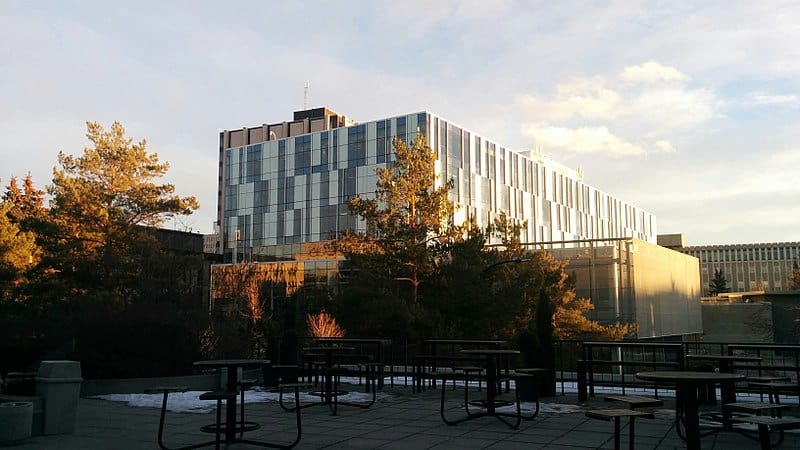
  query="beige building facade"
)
[
  {"x": 746, "y": 267},
  {"x": 634, "y": 281}
]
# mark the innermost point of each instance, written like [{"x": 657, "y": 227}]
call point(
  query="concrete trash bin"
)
[
  {"x": 16, "y": 422},
  {"x": 59, "y": 385}
]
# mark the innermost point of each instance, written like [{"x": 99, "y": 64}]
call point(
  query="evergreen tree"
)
[
  {"x": 101, "y": 203},
  {"x": 467, "y": 289},
  {"x": 719, "y": 284},
  {"x": 28, "y": 202},
  {"x": 18, "y": 252},
  {"x": 459, "y": 300},
  {"x": 103, "y": 277},
  {"x": 20, "y": 209},
  {"x": 25, "y": 322},
  {"x": 97, "y": 276},
  {"x": 409, "y": 221}
]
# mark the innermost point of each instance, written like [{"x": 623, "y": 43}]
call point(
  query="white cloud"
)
[
  {"x": 670, "y": 108},
  {"x": 643, "y": 115},
  {"x": 476, "y": 9},
  {"x": 584, "y": 140},
  {"x": 651, "y": 72},
  {"x": 785, "y": 158},
  {"x": 441, "y": 56},
  {"x": 582, "y": 97},
  {"x": 664, "y": 146},
  {"x": 766, "y": 99}
]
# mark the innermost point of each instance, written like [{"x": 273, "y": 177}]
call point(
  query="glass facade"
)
[{"x": 280, "y": 194}]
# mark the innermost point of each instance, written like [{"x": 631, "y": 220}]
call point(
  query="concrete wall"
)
[
  {"x": 785, "y": 316},
  {"x": 667, "y": 291},
  {"x": 737, "y": 322},
  {"x": 256, "y": 134},
  {"x": 631, "y": 280},
  {"x": 785, "y": 320}
]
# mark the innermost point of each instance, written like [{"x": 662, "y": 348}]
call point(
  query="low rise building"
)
[{"x": 746, "y": 267}]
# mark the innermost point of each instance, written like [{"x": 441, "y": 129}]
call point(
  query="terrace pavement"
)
[{"x": 400, "y": 420}]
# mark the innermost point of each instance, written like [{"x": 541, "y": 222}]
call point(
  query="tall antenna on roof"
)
[{"x": 305, "y": 95}]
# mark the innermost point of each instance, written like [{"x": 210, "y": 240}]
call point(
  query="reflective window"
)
[
  {"x": 383, "y": 141},
  {"x": 302, "y": 155},
  {"x": 422, "y": 123},
  {"x": 401, "y": 128},
  {"x": 477, "y": 157},
  {"x": 356, "y": 146}
]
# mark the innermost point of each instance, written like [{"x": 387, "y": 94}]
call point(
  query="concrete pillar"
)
[{"x": 59, "y": 385}]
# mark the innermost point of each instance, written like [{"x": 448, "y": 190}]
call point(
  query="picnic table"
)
[{"x": 686, "y": 395}]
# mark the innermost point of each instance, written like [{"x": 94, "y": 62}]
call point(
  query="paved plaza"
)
[{"x": 399, "y": 420}]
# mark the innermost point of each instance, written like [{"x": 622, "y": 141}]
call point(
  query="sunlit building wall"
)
[{"x": 633, "y": 281}]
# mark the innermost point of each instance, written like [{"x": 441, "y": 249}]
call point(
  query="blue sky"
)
[{"x": 690, "y": 110}]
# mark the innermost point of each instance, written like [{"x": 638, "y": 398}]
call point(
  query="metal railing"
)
[{"x": 588, "y": 364}]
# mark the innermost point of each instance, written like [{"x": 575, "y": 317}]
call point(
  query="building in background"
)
[
  {"x": 284, "y": 188},
  {"x": 285, "y": 185},
  {"x": 188, "y": 243},
  {"x": 212, "y": 243},
  {"x": 746, "y": 267}
]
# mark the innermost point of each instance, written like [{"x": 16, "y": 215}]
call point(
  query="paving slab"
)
[{"x": 402, "y": 420}]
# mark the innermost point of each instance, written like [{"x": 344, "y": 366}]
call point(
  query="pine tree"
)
[
  {"x": 101, "y": 202},
  {"x": 409, "y": 221},
  {"x": 28, "y": 202},
  {"x": 719, "y": 284},
  {"x": 18, "y": 251}
]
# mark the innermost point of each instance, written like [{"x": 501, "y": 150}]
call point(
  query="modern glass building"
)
[{"x": 284, "y": 186}]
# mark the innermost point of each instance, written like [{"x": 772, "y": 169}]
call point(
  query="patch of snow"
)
[{"x": 189, "y": 402}]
